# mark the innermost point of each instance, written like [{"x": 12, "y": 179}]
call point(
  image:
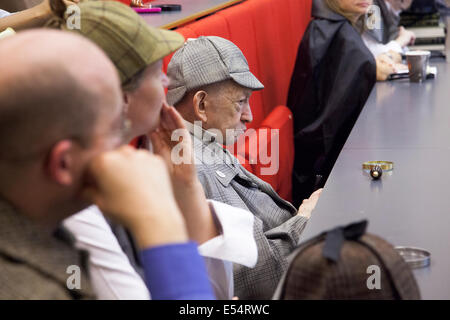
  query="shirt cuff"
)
[
  {"x": 176, "y": 272},
  {"x": 394, "y": 46},
  {"x": 236, "y": 243}
]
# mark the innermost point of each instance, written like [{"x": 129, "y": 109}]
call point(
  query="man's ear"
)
[
  {"x": 60, "y": 163},
  {"x": 199, "y": 102}
]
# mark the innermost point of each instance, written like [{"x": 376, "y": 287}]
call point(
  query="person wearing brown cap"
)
[
  {"x": 339, "y": 264},
  {"x": 58, "y": 154},
  {"x": 137, "y": 51}
]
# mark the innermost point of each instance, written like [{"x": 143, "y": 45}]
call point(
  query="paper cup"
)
[{"x": 417, "y": 65}]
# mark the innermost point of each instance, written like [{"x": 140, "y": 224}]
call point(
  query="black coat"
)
[{"x": 332, "y": 79}]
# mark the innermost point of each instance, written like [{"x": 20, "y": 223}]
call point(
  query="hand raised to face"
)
[
  {"x": 133, "y": 188},
  {"x": 172, "y": 141}
]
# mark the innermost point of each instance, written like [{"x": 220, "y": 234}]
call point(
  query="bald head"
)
[{"x": 53, "y": 85}]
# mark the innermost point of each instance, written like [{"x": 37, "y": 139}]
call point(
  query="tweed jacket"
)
[
  {"x": 277, "y": 226},
  {"x": 34, "y": 260}
]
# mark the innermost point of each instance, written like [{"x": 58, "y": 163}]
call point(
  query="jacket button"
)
[{"x": 220, "y": 174}]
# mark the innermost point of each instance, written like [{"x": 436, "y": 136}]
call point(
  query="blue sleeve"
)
[{"x": 176, "y": 272}]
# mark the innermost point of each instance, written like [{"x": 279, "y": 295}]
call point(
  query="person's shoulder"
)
[
  {"x": 320, "y": 23},
  {"x": 21, "y": 281},
  {"x": 350, "y": 38},
  {"x": 321, "y": 32}
]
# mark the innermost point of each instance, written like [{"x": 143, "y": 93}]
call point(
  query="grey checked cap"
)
[{"x": 204, "y": 61}]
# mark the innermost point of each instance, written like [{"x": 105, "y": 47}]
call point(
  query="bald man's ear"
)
[
  {"x": 60, "y": 163},
  {"x": 199, "y": 102}
]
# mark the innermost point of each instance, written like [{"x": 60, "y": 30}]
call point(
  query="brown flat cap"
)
[{"x": 317, "y": 273}]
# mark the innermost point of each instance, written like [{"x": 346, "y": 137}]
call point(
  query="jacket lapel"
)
[
  {"x": 226, "y": 167},
  {"x": 48, "y": 251}
]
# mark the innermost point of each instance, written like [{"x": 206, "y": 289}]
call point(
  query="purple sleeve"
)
[{"x": 176, "y": 272}]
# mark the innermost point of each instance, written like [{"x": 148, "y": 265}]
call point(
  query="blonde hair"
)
[{"x": 334, "y": 6}]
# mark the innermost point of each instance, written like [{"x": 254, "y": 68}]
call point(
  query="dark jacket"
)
[
  {"x": 35, "y": 262},
  {"x": 332, "y": 79}
]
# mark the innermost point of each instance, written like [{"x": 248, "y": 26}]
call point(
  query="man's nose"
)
[{"x": 247, "y": 115}]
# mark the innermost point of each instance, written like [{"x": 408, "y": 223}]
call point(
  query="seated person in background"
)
[
  {"x": 56, "y": 159},
  {"x": 210, "y": 86},
  {"x": 333, "y": 76},
  {"x": 224, "y": 232},
  {"x": 389, "y": 38}
]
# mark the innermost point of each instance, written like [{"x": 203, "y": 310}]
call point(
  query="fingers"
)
[
  {"x": 159, "y": 144},
  {"x": 133, "y": 187},
  {"x": 304, "y": 210},
  {"x": 304, "y": 204},
  {"x": 177, "y": 118},
  {"x": 385, "y": 67},
  {"x": 164, "y": 124},
  {"x": 98, "y": 164},
  {"x": 155, "y": 138},
  {"x": 308, "y": 205},
  {"x": 171, "y": 119},
  {"x": 165, "y": 105},
  {"x": 169, "y": 122}
]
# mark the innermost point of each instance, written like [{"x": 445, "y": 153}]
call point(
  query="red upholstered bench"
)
[{"x": 268, "y": 32}]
